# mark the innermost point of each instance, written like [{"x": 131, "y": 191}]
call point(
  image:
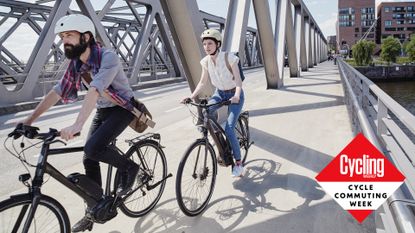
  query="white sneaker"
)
[{"x": 237, "y": 171}]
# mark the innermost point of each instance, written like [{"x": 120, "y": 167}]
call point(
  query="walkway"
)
[{"x": 297, "y": 131}]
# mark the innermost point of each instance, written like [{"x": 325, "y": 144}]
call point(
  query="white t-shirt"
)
[{"x": 219, "y": 74}]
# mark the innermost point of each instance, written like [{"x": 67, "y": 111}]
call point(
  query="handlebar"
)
[
  {"x": 32, "y": 133},
  {"x": 204, "y": 103}
]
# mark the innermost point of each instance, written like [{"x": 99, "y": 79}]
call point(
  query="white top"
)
[{"x": 219, "y": 74}]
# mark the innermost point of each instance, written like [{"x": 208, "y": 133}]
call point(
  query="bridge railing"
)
[{"x": 391, "y": 128}]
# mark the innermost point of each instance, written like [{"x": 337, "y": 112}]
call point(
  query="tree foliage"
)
[
  {"x": 362, "y": 52},
  {"x": 410, "y": 49},
  {"x": 391, "y": 48}
]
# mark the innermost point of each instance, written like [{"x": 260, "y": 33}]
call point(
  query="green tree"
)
[
  {"x": 362, "y": 52},
  {"x": 410, "y": 48},
  {"x": 391, "y": 48}
]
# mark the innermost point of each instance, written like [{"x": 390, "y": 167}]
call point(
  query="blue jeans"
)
[{"x": 233, "y": 114}]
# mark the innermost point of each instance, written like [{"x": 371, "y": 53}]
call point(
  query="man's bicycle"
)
[
  {"x": 196, "y": 175},
  {"x": 37, "y": 212}
]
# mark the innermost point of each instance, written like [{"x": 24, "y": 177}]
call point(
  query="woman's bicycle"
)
[
  {"x": 36, "y": 212},
  {"x": 196, "y": 175}
]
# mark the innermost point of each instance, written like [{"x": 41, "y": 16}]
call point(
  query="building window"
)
[
  {"x": 388, "y": 23},
  {"x": 400, "y": 22},
  {"x": 387, "y": 9},
  {"x": 346, "y": 24},
  {"x": 410, "y": 8},
  {"x": 356, "y": 29},
  {"x": 346, "y": 11}
]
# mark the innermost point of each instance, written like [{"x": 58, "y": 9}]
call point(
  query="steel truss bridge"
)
[{"x": 155, "y": 40}]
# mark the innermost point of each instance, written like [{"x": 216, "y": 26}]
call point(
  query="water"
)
[{"x": 402, "y": 92}]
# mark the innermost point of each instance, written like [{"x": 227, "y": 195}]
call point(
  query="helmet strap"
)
[{"x": 218, "y": 44}]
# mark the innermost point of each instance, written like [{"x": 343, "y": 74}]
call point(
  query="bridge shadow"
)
[
  {"x": 310, "y": 84},
  {"x": 290, "y": 151},
  {"x": 324, "y": 217},
  {"x": 294, "y": 108},
  {"x": 226, "y": 214},
  {"x": 262, "y": 176},
  {"x": 229, "y": 212}
]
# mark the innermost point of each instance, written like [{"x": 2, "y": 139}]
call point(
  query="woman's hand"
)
[
  {"x": 234, "y": 99},
  {"x": 186, "y": 100}
]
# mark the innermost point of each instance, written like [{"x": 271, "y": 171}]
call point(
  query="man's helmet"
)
[
  {"x": 211, "y": 34},
  {"x": 75, "y": 22}
]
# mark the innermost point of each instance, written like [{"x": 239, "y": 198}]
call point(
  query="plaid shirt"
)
[{"x": 71, "y": 81}]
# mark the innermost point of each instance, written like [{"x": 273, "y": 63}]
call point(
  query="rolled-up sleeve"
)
[
  {"x": 110, "y": 66},
  {"x": 204, "y": 63},
  {"x": 233, "y": 59},
  {"x": 57, "y": 88}
]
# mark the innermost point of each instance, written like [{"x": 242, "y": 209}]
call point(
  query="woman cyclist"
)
[{"x": 228, "y": 87}]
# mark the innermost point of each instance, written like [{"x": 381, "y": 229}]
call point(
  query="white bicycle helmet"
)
[
  {"x": 211, "y": 33},
  {"x": 75, "y": 22}
]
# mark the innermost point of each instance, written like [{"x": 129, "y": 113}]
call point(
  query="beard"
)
[{"x": 74, "y": 51}]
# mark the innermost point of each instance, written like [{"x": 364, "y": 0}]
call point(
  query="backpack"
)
[{"x": 241, "y": 73}]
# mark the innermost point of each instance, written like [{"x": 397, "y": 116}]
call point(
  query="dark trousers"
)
[{"x": 107, "y": 124}]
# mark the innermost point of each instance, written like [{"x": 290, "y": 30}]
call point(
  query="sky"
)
[{"x": 323, "y": 11}]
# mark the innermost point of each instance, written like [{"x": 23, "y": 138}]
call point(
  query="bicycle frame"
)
[
  {"x": 211, "y": 124},
  {"x": 44, "y": 167}
]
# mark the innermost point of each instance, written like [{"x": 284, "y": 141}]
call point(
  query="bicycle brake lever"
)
[{"x": 58, "y": 140}]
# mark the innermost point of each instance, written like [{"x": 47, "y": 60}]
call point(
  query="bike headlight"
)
[{"x": 201, "y": 128}]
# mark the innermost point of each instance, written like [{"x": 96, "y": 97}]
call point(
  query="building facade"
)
[
  {"x": 356, "y": 20},
  {"x": 332, "y": 42},
  {"x": 396, "y": 19}
]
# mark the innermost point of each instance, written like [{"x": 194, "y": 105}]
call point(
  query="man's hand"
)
[
  {"x": 234, "y": 99},
  {"x": 69, "y": 132}
]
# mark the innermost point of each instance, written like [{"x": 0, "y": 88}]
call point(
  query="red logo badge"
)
[{"x": 360, "y": 178}]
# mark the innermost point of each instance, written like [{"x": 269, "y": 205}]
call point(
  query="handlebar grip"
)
[
  {"x": 58, "y": 134},
  {"x": 187, "y": 101}
]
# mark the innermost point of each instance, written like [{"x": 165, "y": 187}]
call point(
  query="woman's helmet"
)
[
  {"x": 211, "y": 34},
  {"x": 75, "y": 22}
]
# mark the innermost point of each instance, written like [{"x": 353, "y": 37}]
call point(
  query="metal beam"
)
[
  {"x": 310, "y": 44},
  {"x": 298, "y": 21},
  {"x": 186, "y": 28},
  {"x": 266, "y": 38},
  {"x": 279, "y": 36},
  {"x": 305, "y": 27},
  {"x": 44, "y": 44},
  {"x": 235, "y": 26},
  {"x": 291, "y": 42},
  {"x": 87, "y": 9}
]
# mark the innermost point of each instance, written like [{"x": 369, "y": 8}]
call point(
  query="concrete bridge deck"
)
[{"x": 297, "y": 131}]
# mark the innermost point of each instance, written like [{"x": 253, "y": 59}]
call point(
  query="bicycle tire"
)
[
  {"x": 50, "y": 216},
  {"x": 192, "y": 206},
  {"x": 143, "y": 200},
  {"x": 242, "y": 133}
]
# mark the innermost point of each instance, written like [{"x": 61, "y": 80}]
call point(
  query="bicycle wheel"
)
[
  {"x": 153, "y": 168},
  {"x": 242, "y": 133},
  {"x": 50, "y": 216},
  {"x": 196, "y": 178}
]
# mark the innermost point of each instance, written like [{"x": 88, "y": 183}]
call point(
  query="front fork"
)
[{"x": 32, "y": 210}]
